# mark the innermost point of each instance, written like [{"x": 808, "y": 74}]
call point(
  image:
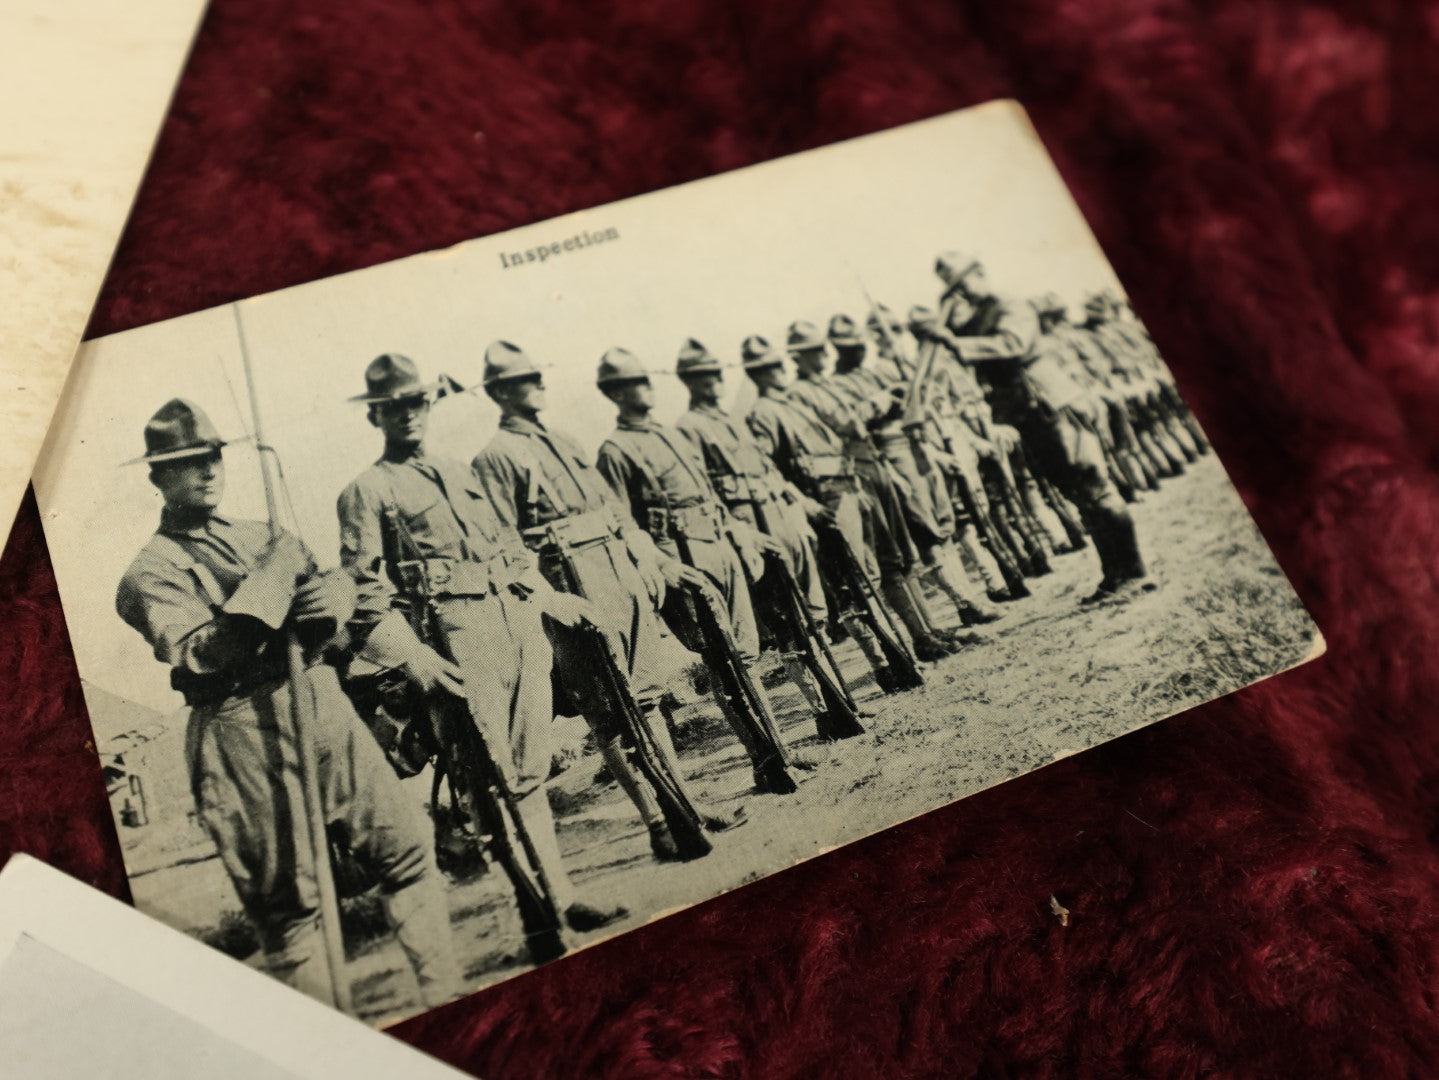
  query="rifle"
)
[
  {"x": 685, "y": 824},
  {"x": 900, "y": 360},
  {"x": 747, "y": 707},
  {"x": 989, "y": 534},
  {"x": 790, "y": 619},
  {"x": 870, "y": 608},
  {"x": 467, "y": 759},
  {"x": 312, "y": 812}
]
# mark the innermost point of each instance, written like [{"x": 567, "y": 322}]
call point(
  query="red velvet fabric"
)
[{"x": 1253, "y": 884}]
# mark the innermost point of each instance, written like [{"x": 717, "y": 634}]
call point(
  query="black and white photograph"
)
[{"x": 445, "y": 617}]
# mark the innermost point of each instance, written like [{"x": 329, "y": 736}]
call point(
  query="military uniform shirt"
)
[
  {"x": 177, "y": 585},
  {"x": 845, "y": 417},
  {"x": 442, "y": 508},
  {"x": 654, "y": 466},
  {"x": 789, "y": 432},
  {"x": 534, "y": 476}
]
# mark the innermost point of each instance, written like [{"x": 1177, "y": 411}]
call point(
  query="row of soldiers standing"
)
[{"x": 474, "y": 602}]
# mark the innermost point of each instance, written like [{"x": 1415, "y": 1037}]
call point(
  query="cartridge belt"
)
[
  {"x": 266, "y": 670},
  {"x": 577, "y": 530},
  {"x": 745, "y": 487},
  {"x": 697, "y": 521},
  {"x": 440, "y": 577},
  {"x": 825, "y": 466}
]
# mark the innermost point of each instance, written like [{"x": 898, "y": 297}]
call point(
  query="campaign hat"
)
[
  {"x": 881, "y": 318},
  {"x": 843, "y": 333},
  {"x": 619, "y": 366},
  {"x": 392, "y": 377},
  {"x": 179, "y": 429},
  {"x": 1049, "y": 303},
  {"x": 803, "y": 336},
  {"x": 695, "y": 359},
  {"x": 505, "y": 361},
  {"x": 921, "y": 315},
  {"x": 757, "y": 353},
  {"x": 953, "y": 265}
]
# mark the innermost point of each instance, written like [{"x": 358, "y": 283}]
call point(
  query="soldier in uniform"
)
[
  {"x": 754, "y": 490},
  {"x": 1080, "y": 357},
  {"x": 540, "y": 483},
  {"x": 955, "y": 400},
  {"x": 216, "y": 599},
  {"x": 488, "y": 594},
  {"x": 1169, "y": 410},
  {"x": 1132, "y": 379},
  {"x": 1038, "y": 396},
  {"x": 663, "y": 480},
  {"x": 812, "y": 457},
  {"x": 927, "y": 507},
  {"x": 893, "y": 545}
]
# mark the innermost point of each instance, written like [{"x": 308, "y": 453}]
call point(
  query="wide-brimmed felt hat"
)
[
  {"x": 619, "y": 366},
  {"x": 179, "y": 429},
  {"x": 757, "y": 353},
  {"x": 803, "y": 336},
  {"x": 881, "y": 318},
  {"x": 695, "y": 359},
  {"x": 1049, "y": 303},
  {"x": 506, "y": 361},
  {"x": 921, "y": 315},
  {"x": 843, "y": 333},
  {"x": 393, "y": 377},
  {"x": 953, "y": 265}
]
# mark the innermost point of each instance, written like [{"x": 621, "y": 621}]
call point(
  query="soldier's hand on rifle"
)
[
  {"x": 328, "y": 596},
  {"x": 284, "y": 556},
  {"x": 570, "y": 610},
  {"x": 818, "y": 513},
  {"x": 431, "y": 672},
  {"x": 678, "y": 574}
]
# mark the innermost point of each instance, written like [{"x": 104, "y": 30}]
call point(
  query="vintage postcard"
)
[{"x": 443, "y": 617}]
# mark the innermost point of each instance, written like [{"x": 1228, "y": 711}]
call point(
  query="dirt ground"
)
[{"x": 1051, "y": 679}]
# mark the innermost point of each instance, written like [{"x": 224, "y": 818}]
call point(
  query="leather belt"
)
[
  {"x": 455, "y": 577},
  {"x": 577, "y": 530}
]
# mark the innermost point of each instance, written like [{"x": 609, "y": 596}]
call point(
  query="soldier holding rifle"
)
[
  {"x": 1133, "y": 382},
  {"x": 663, "y": 480},
  {"x": 953, "y": 403},
  {"x": 215, "y": 599},
  {"x": 540, "y": 483},
  {"x": 927, "y": 508},
  {"x": 812, "y": 457},
  {"x": 792, "y": 605},
  {"x": 1035, "y": 394},
  {"x": 419, "y": 537},
  {"x": 888, "y": 532}
]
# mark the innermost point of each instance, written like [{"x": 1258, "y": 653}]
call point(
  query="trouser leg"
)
[
  {"x": 631, "y": 783},
  {"x": 539, "y": 822},
  {"x": 984, "y": 562},
  {"x": 864, "y": 638},
  {"x": 950, "y": 578},
  {"x": 795, "y": 670},
  {"x": 420, "y": 919},
  {"x": 295, "y": 954},
  {"x": 895, "y": 588}
]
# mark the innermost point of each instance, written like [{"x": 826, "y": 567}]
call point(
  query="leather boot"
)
[{"x": 896, "y": 592}]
